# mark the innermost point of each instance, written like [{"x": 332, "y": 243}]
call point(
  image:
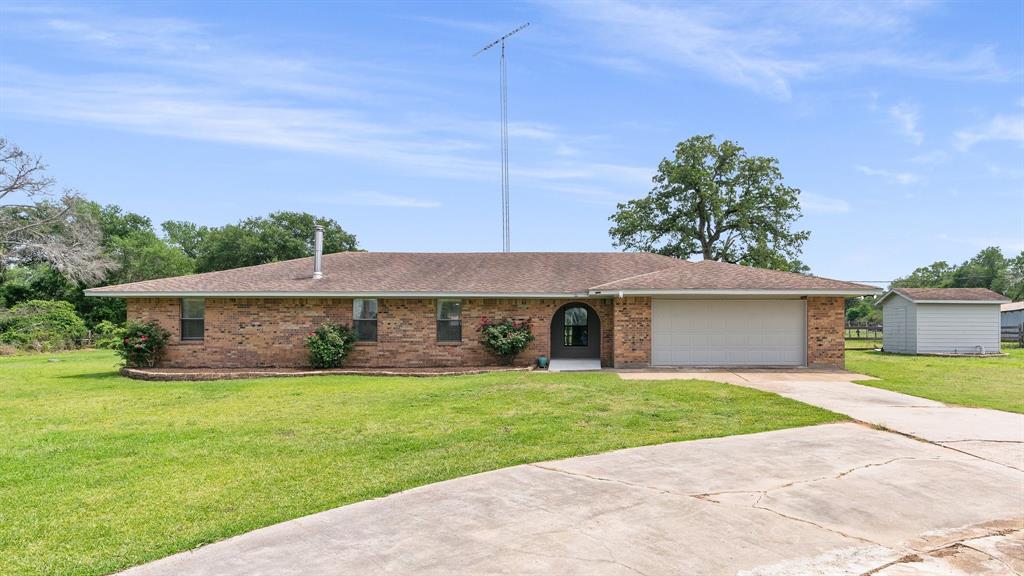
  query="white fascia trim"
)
[
  {"x": 129, "y": 294},
  {"x": 989, "y": 302},
  {"x": 727, "y": 292}
]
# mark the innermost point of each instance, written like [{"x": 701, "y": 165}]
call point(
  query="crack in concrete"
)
[
  {"x": 708, "y": 495},
  {"x": 980, "y": 551},
  {"x": 939, "y": 443},
  {"x": 979, "y": 440},
  {"x": 757, "y": 505},
  {"x": 901, "y": 560},
  {"x": 602, "y": 479}
]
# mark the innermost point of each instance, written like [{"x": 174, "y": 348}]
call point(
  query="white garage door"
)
[{"x": 728, "y": 333}]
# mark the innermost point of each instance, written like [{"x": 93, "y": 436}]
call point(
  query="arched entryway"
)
[{"x": 575, "y": 332}]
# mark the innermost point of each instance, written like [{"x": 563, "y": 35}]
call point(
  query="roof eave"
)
[
  {"x": 849, "y": 292},
  {"x": 326, "y": 294}
]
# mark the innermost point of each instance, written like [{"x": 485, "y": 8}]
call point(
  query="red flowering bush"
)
[
  {"x": 142, "y": 344},
  {"x": 505, "y": 338}
]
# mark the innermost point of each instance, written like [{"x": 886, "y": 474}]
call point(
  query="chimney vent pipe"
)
[{"x": 318, "y": 252}]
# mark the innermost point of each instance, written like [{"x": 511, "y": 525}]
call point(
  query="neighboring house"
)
[
  {"x": 423, "y": 309},
  {"x": 1012, "y": 313},
  {"x": 940, "y": 320}
]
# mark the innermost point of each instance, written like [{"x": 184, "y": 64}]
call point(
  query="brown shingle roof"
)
[
  {"x": 477, "y": 273},
  {"x": 972, "y": 294},
  {"x": 713, "y": 275}
]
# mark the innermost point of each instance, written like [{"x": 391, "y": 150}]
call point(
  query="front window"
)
[
  {"x": 364, "y": 319},
  {"x": 193, "y": 310},
  {"x": 449, "y": 320},
  {"x": 575, "y": 333}
]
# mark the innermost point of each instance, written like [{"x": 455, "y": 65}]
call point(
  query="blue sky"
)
[{"x": 902, "y": 123}]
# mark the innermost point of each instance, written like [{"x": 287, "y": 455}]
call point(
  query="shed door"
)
[{"x": 728, "y": 332}]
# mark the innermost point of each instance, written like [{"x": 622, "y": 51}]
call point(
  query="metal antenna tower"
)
[{"x": 506, "y": 240}]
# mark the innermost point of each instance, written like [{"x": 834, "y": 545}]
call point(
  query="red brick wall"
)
[
  {"x": 246, "y": 332},
  {"x": 632, "y": 333},
  {"x": 825, "y": 323}
]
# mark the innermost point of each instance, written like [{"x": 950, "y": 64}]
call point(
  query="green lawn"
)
[
  {"x": 995, "y": 382},
  {"x": 858, "y": 344},
  {"x": 99, "y": 472}
]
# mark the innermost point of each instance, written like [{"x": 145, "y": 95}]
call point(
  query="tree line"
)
[
  {"x": 989, "y": 268},
  {"x": 54, "y": 243}
]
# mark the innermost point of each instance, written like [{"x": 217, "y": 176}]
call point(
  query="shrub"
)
[
  {"x": 329, "y": 345},
  {"x": 41, "y": 325},
  {"x": 505, "y": 338},
  {"x": 143, "y": 344},
  {"x": 108, "y": 335}
]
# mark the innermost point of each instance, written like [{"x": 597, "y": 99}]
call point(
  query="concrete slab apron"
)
[
  {"x": 989, "y": 434},
  {"x": 833, "y": 499}
]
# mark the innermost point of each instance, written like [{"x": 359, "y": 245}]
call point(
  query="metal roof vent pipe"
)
[{"x": 318, "y": 252}]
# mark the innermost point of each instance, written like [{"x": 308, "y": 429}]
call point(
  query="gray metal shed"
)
[
  {"x": 940, "y": 320},
  {"x": 1012, "y": 313}
]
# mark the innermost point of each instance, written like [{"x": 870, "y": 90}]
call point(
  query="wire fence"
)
[{"x": 863, "y": 335}]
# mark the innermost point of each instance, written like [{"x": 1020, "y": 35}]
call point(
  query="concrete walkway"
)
[{"x": 825, "y": 500}]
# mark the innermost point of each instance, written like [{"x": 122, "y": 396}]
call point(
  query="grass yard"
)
[
  {"x": 857, "y": 344},
  {"x": 996, "y": 382},
  {"x": 99, "y": 472}
]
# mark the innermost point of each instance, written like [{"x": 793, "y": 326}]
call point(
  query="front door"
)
[{"x": 575, "y": 332}]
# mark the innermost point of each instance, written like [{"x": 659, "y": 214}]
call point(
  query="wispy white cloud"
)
[
  {"x": 177, "y": 78},
  {"x": 906, "y": 116},
  {"x": 818, "y": 204},
  {"x": 376, "y": 199},
  {"x": 904, "y": 178},
  {"x": 691, "y": 38},
  {"x": 1003, "y": 127},
  {"x": 764, "y": 47}
]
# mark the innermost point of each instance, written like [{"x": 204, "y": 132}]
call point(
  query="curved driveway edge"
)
[
  {"x": 832, "y": 499},
  {"x": 988, "y": 434}
]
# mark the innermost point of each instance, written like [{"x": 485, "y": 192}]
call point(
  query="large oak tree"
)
[{"x": 716, "y": 201}]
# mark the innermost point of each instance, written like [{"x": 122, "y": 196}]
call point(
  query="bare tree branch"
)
[{"x": 38, "y": 228}]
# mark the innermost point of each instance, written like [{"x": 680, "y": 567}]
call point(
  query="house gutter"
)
[
  {"x": 734, "y": 292},
  {"x": 322, "y": 294}
]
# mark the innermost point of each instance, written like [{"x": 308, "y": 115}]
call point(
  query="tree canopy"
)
[
  {"x": 716, "y": 201},
  {"x": 987, "y": 269},
  {"x": 258, "y": 240}
]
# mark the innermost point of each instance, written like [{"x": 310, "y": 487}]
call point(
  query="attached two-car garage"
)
[{"x": 728, "y": 332}]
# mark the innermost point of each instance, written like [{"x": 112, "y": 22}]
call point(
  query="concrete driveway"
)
[{"x": 834, "y": 499}]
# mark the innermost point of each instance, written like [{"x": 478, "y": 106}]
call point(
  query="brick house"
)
[{"x": 422, "y": 309}]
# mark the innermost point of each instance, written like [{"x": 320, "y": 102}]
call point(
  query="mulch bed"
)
[{"x": 193, "y": 374}]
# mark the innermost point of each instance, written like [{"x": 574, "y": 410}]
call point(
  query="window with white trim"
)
[
  {"x": 193, "y": 313},
  {"x": 449, "y": 320},
  {"x": 364, "y": 319}
]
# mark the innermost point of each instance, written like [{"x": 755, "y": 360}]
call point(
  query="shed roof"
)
[
  {"x": 1011, "y": 306},
  {"x": 946, "y": 295}
]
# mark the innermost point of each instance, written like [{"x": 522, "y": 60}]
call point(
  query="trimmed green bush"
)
[
  {"x": 505, "y": 338},
  {"x": 143, "y": 344},
  {"x": 41, "y": 325},
  {"x": 329, "y": 345}
]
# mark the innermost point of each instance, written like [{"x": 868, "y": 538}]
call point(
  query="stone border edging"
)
[{"x": 201, "y": 375}]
